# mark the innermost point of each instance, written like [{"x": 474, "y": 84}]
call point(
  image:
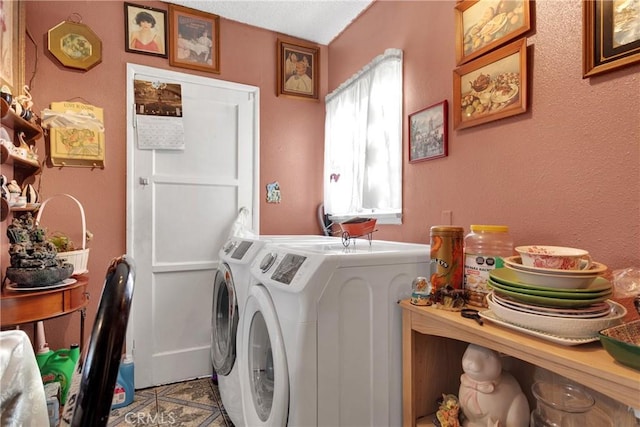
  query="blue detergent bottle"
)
[{"x": 124, "y": 390}]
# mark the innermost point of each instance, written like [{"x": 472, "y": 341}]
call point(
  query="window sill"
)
[{"x": 383, "y": 218}]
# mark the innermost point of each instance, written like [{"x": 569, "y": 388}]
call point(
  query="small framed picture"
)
[
  {"x": 483, "y": 25},
  {"x": 194, "y": 39},
  {"x": 491, "y": 87},
  {"x": 611, "y": 35},
  {"x": 145, "y": 30},
  {"x": 428, "y": 133},
  {"x": 298, "y": 69}
]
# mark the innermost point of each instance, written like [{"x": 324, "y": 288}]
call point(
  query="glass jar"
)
[
  {"x": 560, "y": 405},
  {"x": 484, "y": 249}
]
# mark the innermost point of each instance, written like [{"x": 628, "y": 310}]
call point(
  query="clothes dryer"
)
[
  {"x": 229, "y": 295},
  {"x": 321, "y": 333}
]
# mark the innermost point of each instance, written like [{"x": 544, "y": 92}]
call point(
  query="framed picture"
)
[
  {"x": 75, "y": 45},
  {"x": 483, "y": 25},
  {"x": 428, "y": 133},
  {"x": 298, "y": 69},
  {"x": 12, "y": 45},
  {"x": 194, "y": 39},
  {"x": 491, "y": 87},
  {"x": 145, "y": 30},
  {"x": 611, "y": 35}
]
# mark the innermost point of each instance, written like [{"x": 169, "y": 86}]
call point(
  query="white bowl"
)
[
  {"x": 515, "y": 262},
  {"x": 556, "y": 257},
  {"x": 566, "y": 328},
  {"x": 556, "y": 281}
]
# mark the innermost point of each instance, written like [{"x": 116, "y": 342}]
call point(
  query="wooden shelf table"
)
[
  {"x": 434, "y": 340},
  {"x": 22, "y": 307}
]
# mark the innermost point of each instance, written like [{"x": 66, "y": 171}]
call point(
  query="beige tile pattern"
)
[{"x": 194, "y": 403}]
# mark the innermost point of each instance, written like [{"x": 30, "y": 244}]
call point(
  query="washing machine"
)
[
  {"x": 229, "y": 295},
  {"x": 321, "y": 333}
]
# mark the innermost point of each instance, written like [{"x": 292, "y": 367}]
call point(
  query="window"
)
[{"x": 363, "y": 143}]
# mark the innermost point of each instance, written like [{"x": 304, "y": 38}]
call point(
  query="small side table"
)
[{"x": 20, "y": 307}]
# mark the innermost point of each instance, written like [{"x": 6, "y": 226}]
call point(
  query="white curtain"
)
[{"x": 363, "y": 141}]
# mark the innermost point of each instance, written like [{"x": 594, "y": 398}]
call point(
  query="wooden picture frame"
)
[
  {"x": 298, "y": 69},
  {"x": 610, "y": 37},
  {"x": 491, "y": 87},
  {"x": 194, "y": 39},
  {"x": 12, "y": 46},
  {"x": 428, "y": 133},
  {"x": 483, "y": 25},
  {"x": 75, "y": 45},
  {"x": 145, "y": 30}
]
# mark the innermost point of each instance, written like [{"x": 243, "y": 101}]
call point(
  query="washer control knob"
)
[
  {"x": 268, "y": 261},
  {"x": 228, "y": 247}
]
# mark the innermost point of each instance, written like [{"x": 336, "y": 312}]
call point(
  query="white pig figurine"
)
[{"x": 489, "y": 396}]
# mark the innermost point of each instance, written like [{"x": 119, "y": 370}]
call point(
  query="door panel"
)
[{"x": 180, "y": 206}]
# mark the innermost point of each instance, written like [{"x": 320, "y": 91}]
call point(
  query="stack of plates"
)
[
  {"x": 507, "y": 282},
  {"x": 567, "y": 326},
  {"x": 570, "y": 315}
]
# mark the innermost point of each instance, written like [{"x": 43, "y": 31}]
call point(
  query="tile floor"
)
[{"x": 194, "y": 403}]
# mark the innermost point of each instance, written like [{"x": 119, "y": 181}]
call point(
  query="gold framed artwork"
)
[
  {"x": 75, "y": 45},
  {"x": 491, "y": 87},
  {"x": 611, "y": 35},
  {"x": 194, "y": 39},
  {"x": 12, "y": 45},
  {"x": 298, "y": 69},
  {"x": 483, "y": 25},
  {"x": 145, "y": 30}
]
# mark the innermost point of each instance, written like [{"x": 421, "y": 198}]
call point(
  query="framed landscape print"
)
[
  {"x": 194, "y": 39},
  {"x": 145, "y": 30},
  {"x": 483, "y": 25},
  {"x": 298, "y": 69},
  {"x": 12, "y": 45},
  {"x": 611, "y": 35},
  {"x": 491, "y": 87},
  {"x": 428, "y": 133}
]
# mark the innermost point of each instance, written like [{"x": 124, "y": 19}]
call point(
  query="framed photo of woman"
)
[
  {"x": 145, "y": 30},
  {"x": 195, "y": 39}
]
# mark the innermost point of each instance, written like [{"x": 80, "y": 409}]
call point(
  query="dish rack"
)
[{"x": 79, "y": 258}]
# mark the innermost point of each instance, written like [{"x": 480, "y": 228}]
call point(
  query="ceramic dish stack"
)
[{"x": 565, "y": 306}]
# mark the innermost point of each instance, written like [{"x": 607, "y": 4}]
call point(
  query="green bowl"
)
[{"x": 622, "y": 342}]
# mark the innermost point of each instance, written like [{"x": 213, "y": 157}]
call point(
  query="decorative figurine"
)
[
  {"x": 448, "y": 414},
  {"x": 488, "y": 395}
]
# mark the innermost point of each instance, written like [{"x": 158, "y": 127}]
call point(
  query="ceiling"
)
[{"x": 318, "y": 21}]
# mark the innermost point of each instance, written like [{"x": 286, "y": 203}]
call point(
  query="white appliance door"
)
[
  {"x": 264, "y": 377},
  {"x": 224, "y": 321},
  {"x": 180, "y": 207}
]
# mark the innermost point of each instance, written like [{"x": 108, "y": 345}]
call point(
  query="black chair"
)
[{"x": 91, "y": 390}]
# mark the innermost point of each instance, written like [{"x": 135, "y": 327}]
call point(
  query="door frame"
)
[{"x": 132, "y": 70}]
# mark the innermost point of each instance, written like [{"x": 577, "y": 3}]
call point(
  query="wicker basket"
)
[{"x": 79, "y": 258}]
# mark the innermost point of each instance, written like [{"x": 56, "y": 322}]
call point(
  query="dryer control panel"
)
[{"x": 288, "y": 268}]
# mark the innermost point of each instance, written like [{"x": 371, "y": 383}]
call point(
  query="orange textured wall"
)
[
  {"x": 567, "y": 172},
  {"x": 291, "y": 132}
]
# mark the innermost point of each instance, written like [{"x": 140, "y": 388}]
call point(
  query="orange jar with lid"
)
[{"x": 447, "y": 260}]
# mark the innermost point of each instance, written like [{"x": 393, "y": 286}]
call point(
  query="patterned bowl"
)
[{"x": 622, "y": 342}]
